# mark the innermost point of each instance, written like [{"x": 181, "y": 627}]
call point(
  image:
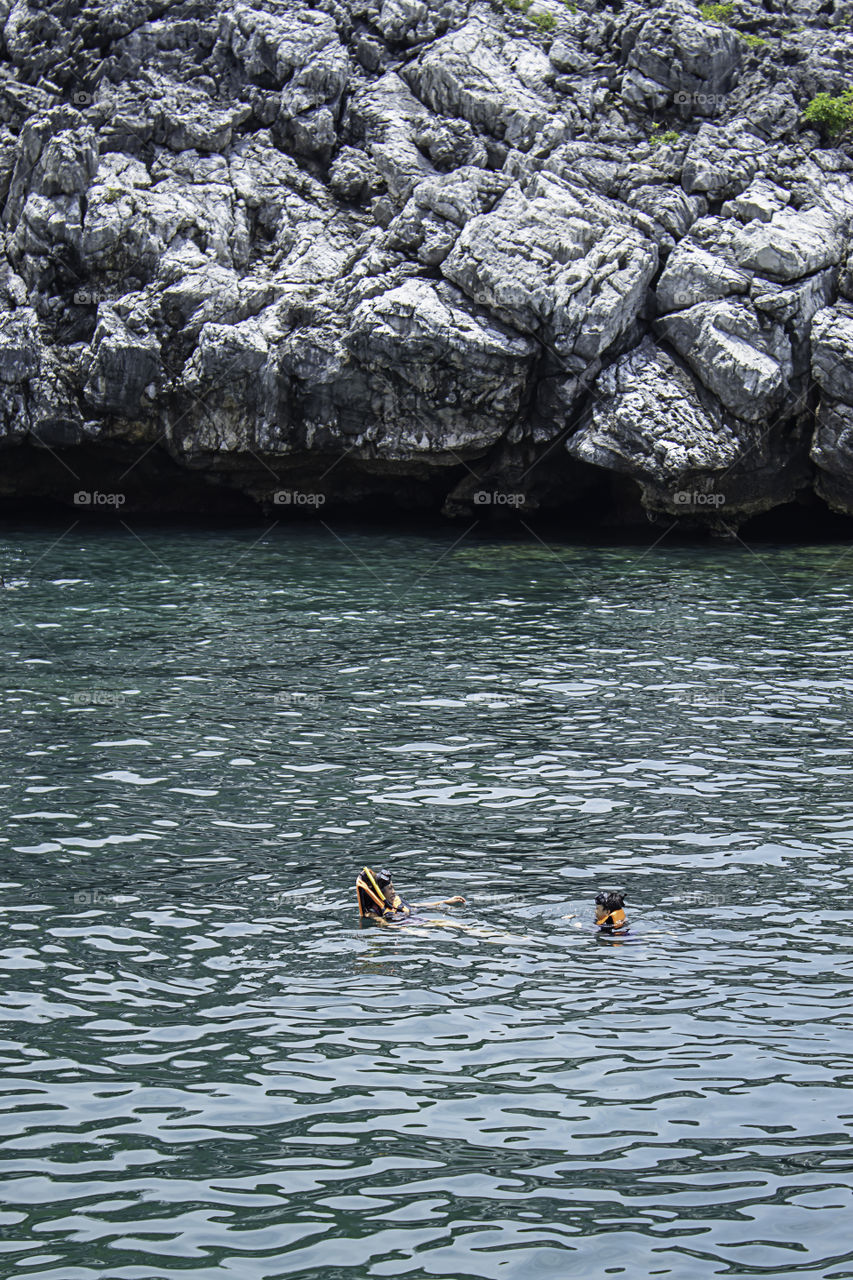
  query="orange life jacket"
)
[{"x": 616, "y": 920}]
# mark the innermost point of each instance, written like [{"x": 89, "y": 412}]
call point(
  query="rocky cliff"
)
[{"x": 409, "y": 255}]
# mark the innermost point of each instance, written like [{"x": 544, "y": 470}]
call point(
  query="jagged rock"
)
[
  {"x": 567, "y": 54},
  {"x": 577, "y": 285},
  {"x": 125, "y": 367},
  {"x": 832, "y": 351},
  {"x": 119, "y": 238},
  {"x": 832, "y": 454},
  {"x": 230, "y": 393},
  {"x": 748, "y": 365},
  {"x": 34, "y": 36},
  {"x": 14, "y": 414},
  {"x": 404, "y": 231},
  {"x": 299, "y": 55},
  {"x": 669, "y": 213},
  {"x": 694, "y": 274},
  {"x": 56, "y": 154},
  {"x": 759, "y": 202},
  {"x": 773, "y": 114},
  {"x": 721, "y": 162},
  {"x": 790, "y": 245},
  {"x": 444, "y": 379},
  {"x": 169, "y": 112},
  {"x": 55, "y": 419},
  {"x": 22, "y": 102},
  {"x": 413, "y": 22},
  {"x": 450, "y": 144},
  {"x": 653, "y": 421},
  {"x": 493, "y": 83},
  {"x": 845, "y": 278},
  {"x": 795, "y": 304},
  {"x": 438, "y": 208},
  {"x": 13, "y": 290},
  {"x": 386, "y": 117},
  {"x": 353, "y": 176},
  {"x": 675, "y": 55},
  {"x": 20, "y": 346}
]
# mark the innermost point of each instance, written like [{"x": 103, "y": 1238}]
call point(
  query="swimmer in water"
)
[
  {"x": 378, "y": 900},
  {"x": 610, "y": 913}
]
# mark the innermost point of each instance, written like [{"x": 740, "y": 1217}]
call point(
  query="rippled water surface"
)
[{"x": 210, "y": 1070}]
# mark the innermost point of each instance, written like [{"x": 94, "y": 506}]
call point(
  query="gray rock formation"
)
[
  {"x": 396, "y": 249},
  {"x": 832, "y": 366}
]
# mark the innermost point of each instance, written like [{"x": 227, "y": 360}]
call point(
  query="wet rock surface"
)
[{"x": 391, "y": 251}]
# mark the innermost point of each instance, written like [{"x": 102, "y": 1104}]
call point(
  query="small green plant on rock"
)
[
  {"x": 754, "y": 42},
  {"x": 543, "y": 20},
  {"x": 719, "y": 13},
  {"x": 669, "y": 135},
  {"x": 832, "y": 115}
]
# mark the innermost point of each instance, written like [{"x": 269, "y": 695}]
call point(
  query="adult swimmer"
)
[{"x": 379, "y": 901}]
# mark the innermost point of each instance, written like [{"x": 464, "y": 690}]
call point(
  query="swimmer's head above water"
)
[
  {"x": 377, "y": 895},
  {"x": 610, "y": 912}
]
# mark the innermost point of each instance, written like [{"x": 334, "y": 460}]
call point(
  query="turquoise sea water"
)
[{"x": 209, "y": 1070}]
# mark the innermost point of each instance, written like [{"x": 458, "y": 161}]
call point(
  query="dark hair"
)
[
  {"x": 383, "y": 879},
  {"x": 610, "y": 901}
]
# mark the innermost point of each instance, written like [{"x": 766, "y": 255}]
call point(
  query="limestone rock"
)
[
  {"x": 832, "y": 453},
  {"x": 693, "y": 275},
  {"x": 124, "y": 367},
  {"x": 445, "y": 379},
  {"x": 20, "y": 346},
  {"x": 791, "y": 244},
  {"x": 676, "y": 56},
  {"x": 721, "y": 161},
  {"x": 438, "y": 208},
  {"x": 832, "y": 351},
  {"x": 575, "y": 284},
  {"x": 478, "y": 74},
  {"x": 391, "y": 234},
  {"x": 386, "y": 116},
  {"x": 759, "y": 202},
  {"x": 653, "y": 421},
  {"x": 747, "y": 364},
  {"x": 412, "y": 22}
]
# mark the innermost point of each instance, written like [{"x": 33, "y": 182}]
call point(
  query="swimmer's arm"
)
[{"x": 458, "y": 901}]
